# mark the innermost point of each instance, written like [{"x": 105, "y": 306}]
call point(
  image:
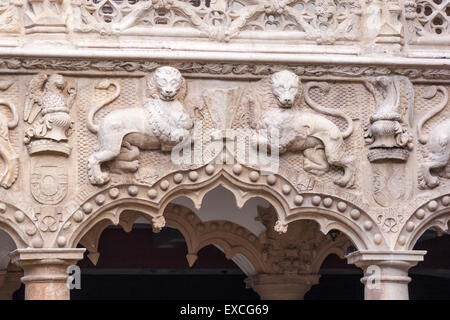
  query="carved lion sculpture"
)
[
  {"x": 319, "y": 139},
  {"x": 438, "y": 143},
  {"x": 161, "y": 124}
]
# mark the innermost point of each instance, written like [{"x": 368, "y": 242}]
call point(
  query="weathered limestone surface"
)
[{"x": 103, "y": 103}]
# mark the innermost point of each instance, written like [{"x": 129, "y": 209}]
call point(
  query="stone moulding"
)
[
  {"x": 342, "y": 69},
  {"x": 95, "y": 208},
  {"x": 235, "y": 240},
  {"x": 350, "y": 26},
  {"x": 19, "y": 226},
  {"x": 434, "y": 214}
]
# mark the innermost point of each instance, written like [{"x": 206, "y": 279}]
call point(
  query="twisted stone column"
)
[
  {"x": 45, "y": 271},
  {"x": 282, "y": 287},
  {"x": 386, "y": 272}
]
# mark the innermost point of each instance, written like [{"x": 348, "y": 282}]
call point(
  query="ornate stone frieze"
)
[
  {"x": 225, "y": 69},
  {"x": 320, "y": 112}
]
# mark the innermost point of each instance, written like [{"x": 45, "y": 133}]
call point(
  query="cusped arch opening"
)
[
  {"x": 433, "y": 215},
  {"x": 430, "y": 277},
  {"x": 168, "y": 245},
  {"x": 221, "y": 204}
]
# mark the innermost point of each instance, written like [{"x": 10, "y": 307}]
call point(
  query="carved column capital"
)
[
  {"x": 45, "y": 271},
  {"x": 282, "y": 287},
  {"x": 386, "y": 272}
]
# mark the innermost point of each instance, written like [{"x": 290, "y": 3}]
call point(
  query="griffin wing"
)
[{"x": 33, "y": 99}]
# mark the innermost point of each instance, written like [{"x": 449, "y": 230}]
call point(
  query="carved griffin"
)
[
  {"x": 319, "y": 139},
  {"x": 161, "y": 123},
  {"x": 438, "y": 142}
]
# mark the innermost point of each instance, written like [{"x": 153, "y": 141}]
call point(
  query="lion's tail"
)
[
  {"x": 328, "y": 111},
  {"x": 15, "y": 121},
  {"x": 432, "y": 93},
  {"x": 104, "y": 85}
]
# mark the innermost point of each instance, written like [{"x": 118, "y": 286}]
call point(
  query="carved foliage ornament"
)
[
  {"x": 428, "y": 19},
  {"x": 234, "y": 70},
  {"x": 322, "y": 20},
  {"x": 10, "y": 21}
]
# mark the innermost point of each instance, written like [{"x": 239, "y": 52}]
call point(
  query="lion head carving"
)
[
  {"x": 285, "y": 86},
  {"x": 167, "y": 84},
  {"x": 280, "y": 90}
]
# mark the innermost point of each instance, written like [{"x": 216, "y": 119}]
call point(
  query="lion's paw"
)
[
  {"x": 345, "y": 181},
  {"x": 99, "y": 179}
]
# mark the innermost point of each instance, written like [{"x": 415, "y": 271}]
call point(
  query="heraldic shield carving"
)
[{"x": 49, "y": 179}]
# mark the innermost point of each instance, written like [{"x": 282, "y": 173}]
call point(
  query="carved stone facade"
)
[{"x": 334, "y": 111}]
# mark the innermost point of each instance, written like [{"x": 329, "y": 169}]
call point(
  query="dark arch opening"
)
[
  {"x": 431, "y": 277},
  {"x": 338, "y": 281},
  {"x": 146, "y": 265}
]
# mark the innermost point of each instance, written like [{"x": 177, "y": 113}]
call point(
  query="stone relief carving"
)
[
  {"x": 48, "y": 219},
  {"x": 10, "y": 21},
  {"x": 228, "y": 69},
  {"x": 319, "y": 139},
  {"x": 437, "y": 142},
  {"x": 45, "y": 16},
  {"x": 390, "y": 220},
  {"x": 375, "y": 25},
  {"x": 49, "y": 178},
  {"x": 427, "y": 20},
  {"x": 323, "y": 20},
  {"x": 387, "y": 134},
  {"x": 7, "y": 153},
  {"x": 381, "y": 26},
  {"x": 388, "y": 138},
  {"x": 161, "y": 124},
  {"x": 51, "y": 97},
  {"x": 295, "y": 251},
  {"x": 48, "y": 101}
]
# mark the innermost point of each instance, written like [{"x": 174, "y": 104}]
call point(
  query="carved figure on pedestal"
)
[
  {"x": 438, "y": 143},
  {"x": 387, "y": 135},
  {"x": 7, "y": 153},
  {"x": 51, "y": 97},
  {"x": 161, "y": 123},
  {"x": 319, "y": 139}
]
